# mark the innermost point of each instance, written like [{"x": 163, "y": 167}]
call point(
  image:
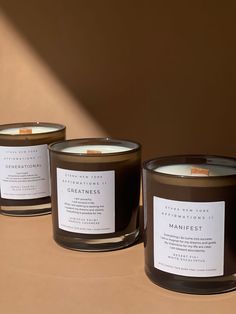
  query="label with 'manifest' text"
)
[
  {"x": 24, "y": 172},
  {"x": 189, "y": 237},
  {"x": 86, "y": 201}
]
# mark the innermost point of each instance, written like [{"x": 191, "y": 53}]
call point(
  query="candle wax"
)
[
  {"x": 185, "y": 170},
  {"x": 104, "y": 149},
  {"x": 35, "y": 130}
]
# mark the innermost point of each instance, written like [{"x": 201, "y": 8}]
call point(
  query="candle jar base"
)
[
  {"x": 97, "y": 244},
  {"x": 24, "y": 210},
  {"x": 192, "y": 285}
]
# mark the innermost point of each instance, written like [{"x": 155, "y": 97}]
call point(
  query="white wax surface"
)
[
  {"x": 104, "y": 149},
  {"x": 35, "y": 130},
  {"x": 185, "y": 170}
]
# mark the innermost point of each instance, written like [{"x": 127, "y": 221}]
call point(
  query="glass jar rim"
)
[
  {"x": 58, "y": 128},
  {"x": 94, "y": 141},
  {"x": 213, "y": 160}
]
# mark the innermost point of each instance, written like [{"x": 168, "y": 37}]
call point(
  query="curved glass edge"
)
[
  {"x": 58, "y": 128},
  {"x": 58, "y": 146},
  {"x": 152, "y": 164}
]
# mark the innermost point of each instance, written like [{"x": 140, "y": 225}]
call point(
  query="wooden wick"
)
[
  {"x": 91, "y": 151},
  {"x": 25, "y": 131},
  {"x": 200, "y": 171}
]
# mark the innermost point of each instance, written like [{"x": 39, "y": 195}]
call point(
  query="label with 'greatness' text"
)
[{"x": 86, "y": 201}]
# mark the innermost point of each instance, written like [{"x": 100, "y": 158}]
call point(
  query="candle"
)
[
  {"x": 103, "y": 149},
  {"x": 95, "y": 193},
  {"x": 24, "y": 167},
  {"x": 189, "y": 223}
]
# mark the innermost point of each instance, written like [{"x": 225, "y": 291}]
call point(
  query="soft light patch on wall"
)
[{"x": 29, "y": 91}]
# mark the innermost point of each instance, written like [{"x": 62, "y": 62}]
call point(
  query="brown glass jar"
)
[
  {"x": 95, "y": 193},
  {"x": 24, "y": 167},
  {"x": 190, "y": 223}
]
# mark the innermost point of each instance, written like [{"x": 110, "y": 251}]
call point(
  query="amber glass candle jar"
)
[
  {"x": 24, "y": 167},
  {"x": 95, "y": 193},
  {"x": 190, "y": 223}
]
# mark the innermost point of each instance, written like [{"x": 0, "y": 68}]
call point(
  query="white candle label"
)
[
  {"x": 189, "y": 237},
  {"x": 24, "y": 172},
  {"x": 86, "y": 201}
]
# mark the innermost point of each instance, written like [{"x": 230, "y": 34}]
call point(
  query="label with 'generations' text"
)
[
  {"x": 24, "y": 172},
  {"x": 86, "y": 201},
  {"x": 189, "y": 237}
]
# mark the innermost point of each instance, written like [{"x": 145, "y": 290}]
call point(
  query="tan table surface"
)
[{"x": 38, "y": 276}]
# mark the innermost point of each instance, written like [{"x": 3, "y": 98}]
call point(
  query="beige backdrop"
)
[{"x": 160, "y": 72}]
